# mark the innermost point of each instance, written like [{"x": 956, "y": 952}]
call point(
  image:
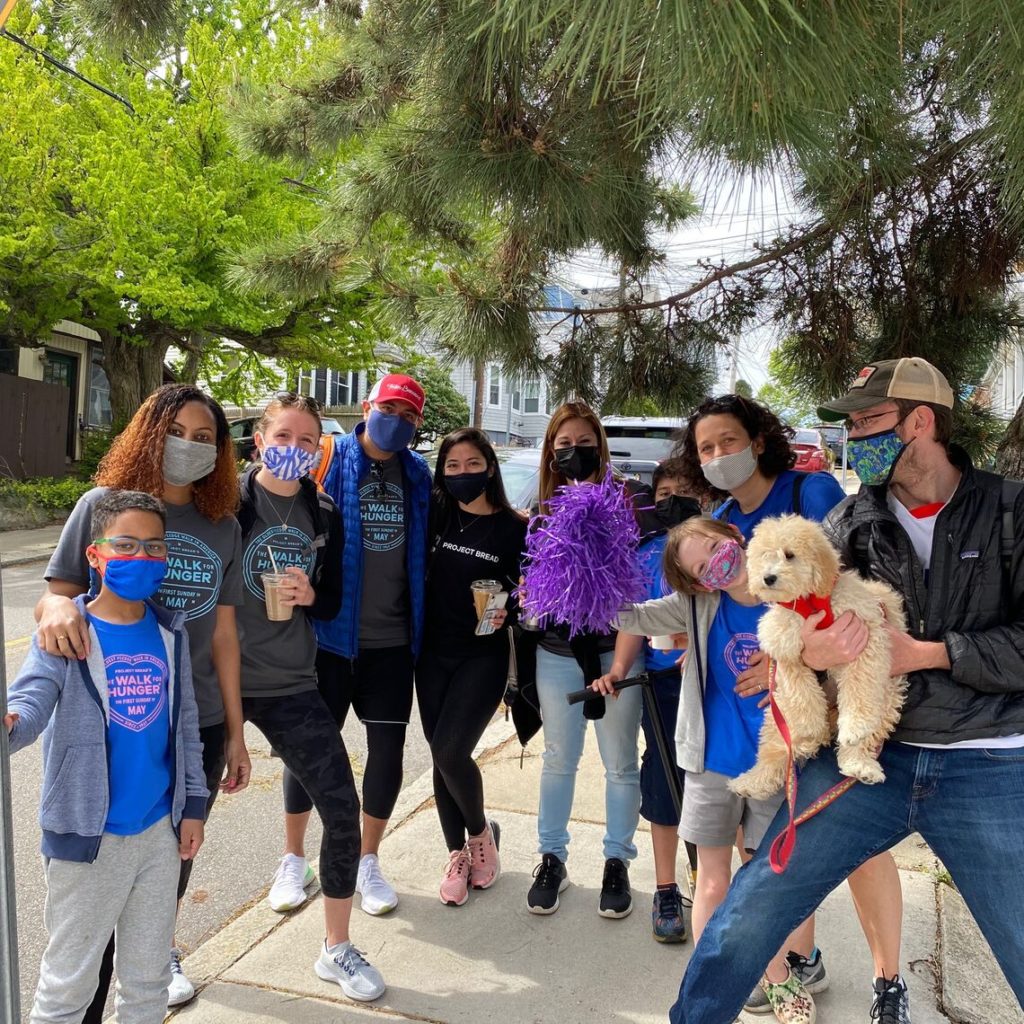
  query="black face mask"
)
[
  {"x": 580, "y": 462},
  {"x": 467, "y": 487},
  {"x": 675, "y": 509}
]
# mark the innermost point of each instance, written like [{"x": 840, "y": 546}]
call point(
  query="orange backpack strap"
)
[{"x": 319, "y": 474}]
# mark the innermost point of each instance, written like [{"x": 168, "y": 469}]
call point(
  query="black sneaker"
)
[
  {"x": 891, "y": 1004},
  {"x": 667, "y": 915},
  {"x": 616, "y": 899},
  {"x": 550, "y": 878}
]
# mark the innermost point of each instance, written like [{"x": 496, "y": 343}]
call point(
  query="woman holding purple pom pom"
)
[{"x": 575, "y": 454}]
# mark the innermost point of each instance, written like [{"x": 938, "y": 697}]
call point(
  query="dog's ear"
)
[{"x": 824, "y": 564}]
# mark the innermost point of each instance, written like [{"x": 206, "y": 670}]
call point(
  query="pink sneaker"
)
[
  {"x": 455, "y": 884},
  {"x": 483, "y": 855}
]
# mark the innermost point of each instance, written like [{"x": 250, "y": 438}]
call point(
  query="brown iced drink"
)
[
  {"x": 276, "y": 611},
  {"x": 482, "y": 591}
]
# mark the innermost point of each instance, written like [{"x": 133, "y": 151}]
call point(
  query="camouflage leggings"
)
[{"x": 303, "y": 733}]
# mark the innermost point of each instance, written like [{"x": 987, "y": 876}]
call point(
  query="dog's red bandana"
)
[{"x": 811, "y": 605}]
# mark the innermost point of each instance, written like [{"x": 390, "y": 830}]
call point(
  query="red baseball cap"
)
[{"x": 397, "y": 387}]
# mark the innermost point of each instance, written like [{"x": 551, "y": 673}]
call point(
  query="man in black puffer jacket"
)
[{"x": 950, "y": 539}]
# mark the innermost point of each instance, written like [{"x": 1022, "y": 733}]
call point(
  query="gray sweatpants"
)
[{"x": 130, "y": 889}]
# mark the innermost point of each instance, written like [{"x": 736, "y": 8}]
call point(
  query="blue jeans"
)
[
  {"x": 564, "y": 732},
  {"x": 967, "y": 804}
]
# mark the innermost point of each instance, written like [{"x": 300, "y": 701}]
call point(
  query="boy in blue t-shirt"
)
[
  {"x": 672, "y": 505},
  {"x": 124, "y": 795}
]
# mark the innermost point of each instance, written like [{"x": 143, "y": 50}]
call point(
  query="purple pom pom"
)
[{"x": 581, "y": 558}]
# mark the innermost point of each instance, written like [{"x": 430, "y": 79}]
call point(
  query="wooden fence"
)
[{"x": 33, "y": 428}]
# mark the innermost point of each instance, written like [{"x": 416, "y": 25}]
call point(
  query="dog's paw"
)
[
  {"x": 757, "y": 784},
  {"x": 857, "y": 765}
]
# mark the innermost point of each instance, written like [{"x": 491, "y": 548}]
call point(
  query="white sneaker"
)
[
  {"x": 292, "y": 876},
  {"x": 348, "y": 967},
  {"x": 181, "y": 990},
  {"x": 377, "y": 895}
]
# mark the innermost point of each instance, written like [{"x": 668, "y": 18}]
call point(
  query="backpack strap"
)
[{"x": 798, "y": 485}]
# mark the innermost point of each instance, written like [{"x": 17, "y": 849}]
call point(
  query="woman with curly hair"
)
[
  {"x": 177, "y": 447},
  {"x": 738, "y": 450}
]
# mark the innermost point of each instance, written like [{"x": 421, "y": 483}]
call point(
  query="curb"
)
[
  {"x": 228, "y": 945},
  {"x": 25, "y": 558}
]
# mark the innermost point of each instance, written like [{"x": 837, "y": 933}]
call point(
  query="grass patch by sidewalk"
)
[{"x": 25, "y": 504}]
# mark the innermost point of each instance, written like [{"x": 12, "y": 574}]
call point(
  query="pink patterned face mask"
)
[{"x": 724, "y": 565}]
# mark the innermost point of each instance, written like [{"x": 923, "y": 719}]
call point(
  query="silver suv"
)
[{"x": 638, "y": 443}]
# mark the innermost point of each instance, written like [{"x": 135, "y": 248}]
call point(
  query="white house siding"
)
[{"x": 1005, "y": 381}]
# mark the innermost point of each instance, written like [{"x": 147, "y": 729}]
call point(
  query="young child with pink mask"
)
[{"x": 720, "y": 713}]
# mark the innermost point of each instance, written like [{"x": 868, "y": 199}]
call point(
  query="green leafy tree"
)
[
  {"x": 519, "y": 132},
  {"x": 126, "y": 220},
  {"x": 743, "y": 389},
  {"x": 783, "y": 394}
]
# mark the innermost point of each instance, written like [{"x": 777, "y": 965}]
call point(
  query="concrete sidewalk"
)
[
  {"x": 493, "y": 960},
  {"x": 23, "y": 547}
]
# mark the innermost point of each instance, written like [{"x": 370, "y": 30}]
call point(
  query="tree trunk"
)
[
  {"x": 479, "y": 372},
  {"x": 134, "y": 367},
  {"x": 1010, "y": 453},
  {"x": 193, "y": 349}
]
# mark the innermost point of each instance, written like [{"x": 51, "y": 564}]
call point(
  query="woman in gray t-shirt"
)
[{"x": 177, "y": 447}]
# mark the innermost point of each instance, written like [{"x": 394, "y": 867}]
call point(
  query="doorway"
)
[{"x": 62, "y": 368}]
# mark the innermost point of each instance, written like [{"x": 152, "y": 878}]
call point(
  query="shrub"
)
[{"x": 54, "y": 494}]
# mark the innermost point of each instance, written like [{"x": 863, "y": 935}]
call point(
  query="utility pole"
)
[
  {"x": 10, "y": 991},
  {"x": 734, "y": 351}
]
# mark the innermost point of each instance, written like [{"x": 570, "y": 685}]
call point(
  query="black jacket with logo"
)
[{"x": 973, "y": 602}]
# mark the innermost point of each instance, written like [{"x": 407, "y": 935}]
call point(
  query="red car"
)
[{"x": 812, "y": 453}]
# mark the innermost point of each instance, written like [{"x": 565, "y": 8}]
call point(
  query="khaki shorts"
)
[{"x": 712, "y": 812}]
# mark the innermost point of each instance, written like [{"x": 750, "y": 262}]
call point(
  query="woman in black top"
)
[{"x": 460, "y": 677}]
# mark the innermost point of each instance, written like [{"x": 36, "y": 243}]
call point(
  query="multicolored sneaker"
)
[
  {"x": 790, "y": 1001},
  {"x": 891, "y": 1004},
  {"x": 455, "y": 883},
  {"x": 810, "y": 971},
  {"x": 485, "y": 864},
  {"x": 667, "y": 915}
]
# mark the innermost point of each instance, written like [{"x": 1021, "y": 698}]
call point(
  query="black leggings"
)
[
  {"x": 378, "y": 685},
  {"x": 457, "y": 698},
  {"x": 302, "y": 731},
  {"x": 212, "y": 737}
]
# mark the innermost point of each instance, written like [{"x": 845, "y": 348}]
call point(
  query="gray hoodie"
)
[
  {"x": 68, "y": 698},
  {"x": 693, "y": 615}
]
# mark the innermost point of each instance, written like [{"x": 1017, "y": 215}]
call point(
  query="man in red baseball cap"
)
[{"x": 366, "y": 653}]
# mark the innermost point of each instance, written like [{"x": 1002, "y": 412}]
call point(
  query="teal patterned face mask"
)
[{"x": 873, "y": 457}]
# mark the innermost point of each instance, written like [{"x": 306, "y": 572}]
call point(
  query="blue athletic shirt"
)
[
  {"x": 650, "y": 559},
  {"x": 732, "y": 724},
  {"x": 819, "y": 494},
  {"x": 139, "y": 728}
]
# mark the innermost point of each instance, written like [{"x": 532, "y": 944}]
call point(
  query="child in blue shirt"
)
[{"x": 124, "y": 795}]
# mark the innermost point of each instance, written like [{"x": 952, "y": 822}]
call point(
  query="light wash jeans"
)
[
  {"x": 564, "y": 732},
  {"x": 965, "y": 803}
]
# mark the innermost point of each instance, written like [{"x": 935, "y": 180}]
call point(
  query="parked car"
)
[
  {"x": 812, "y": 452},
  {"x": 834, "y": 437},
  {"x": 242, "y": 430},
  {"x": 639, "y": 443}
]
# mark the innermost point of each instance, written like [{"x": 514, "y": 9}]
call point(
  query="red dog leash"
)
[{"x": 784, "y": 843}]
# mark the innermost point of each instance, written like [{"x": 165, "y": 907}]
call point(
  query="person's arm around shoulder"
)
[
  {"x": 196, "y": 793},
  {"x": 33, "y": 695}
]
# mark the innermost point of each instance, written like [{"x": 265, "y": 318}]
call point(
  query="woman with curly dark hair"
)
[
  {"x": 177, "y": 447},
  {"x": 738, "y": 450}
]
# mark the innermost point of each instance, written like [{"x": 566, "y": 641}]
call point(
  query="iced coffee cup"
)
[
  {"x": 277, "y": 611},
  {"x": 482, "y": 591},
  {"x": 663, "y": 643}
]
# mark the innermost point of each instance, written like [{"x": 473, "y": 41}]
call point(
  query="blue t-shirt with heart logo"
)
[
  {"x": 139, "y": 729},
  {"x": 732, "y": 724}
]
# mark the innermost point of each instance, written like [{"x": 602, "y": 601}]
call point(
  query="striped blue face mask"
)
[{"x": 288, "y": 461}]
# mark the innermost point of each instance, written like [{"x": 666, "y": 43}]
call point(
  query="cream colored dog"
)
[{"x": 789, "y": 559}]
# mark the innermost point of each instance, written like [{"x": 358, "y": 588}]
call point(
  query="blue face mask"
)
[
  {"x": 873, "y": 458},
  {"x": 288, "y": 461},
  {"x": 388, "y": 432},
  {"x": 132, "y": 579}
]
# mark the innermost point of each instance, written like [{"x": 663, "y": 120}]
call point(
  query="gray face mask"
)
[
  {"x": 187, "y": 461},
  {"x": 728, "y": 472}
]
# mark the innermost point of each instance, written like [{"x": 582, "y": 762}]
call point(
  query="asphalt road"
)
[{"x": 243, "y": 837}]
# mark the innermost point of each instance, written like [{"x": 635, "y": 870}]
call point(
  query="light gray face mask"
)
[
  {"x": 728, "y": 472},
  {"x": 185, "y": 462}
]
